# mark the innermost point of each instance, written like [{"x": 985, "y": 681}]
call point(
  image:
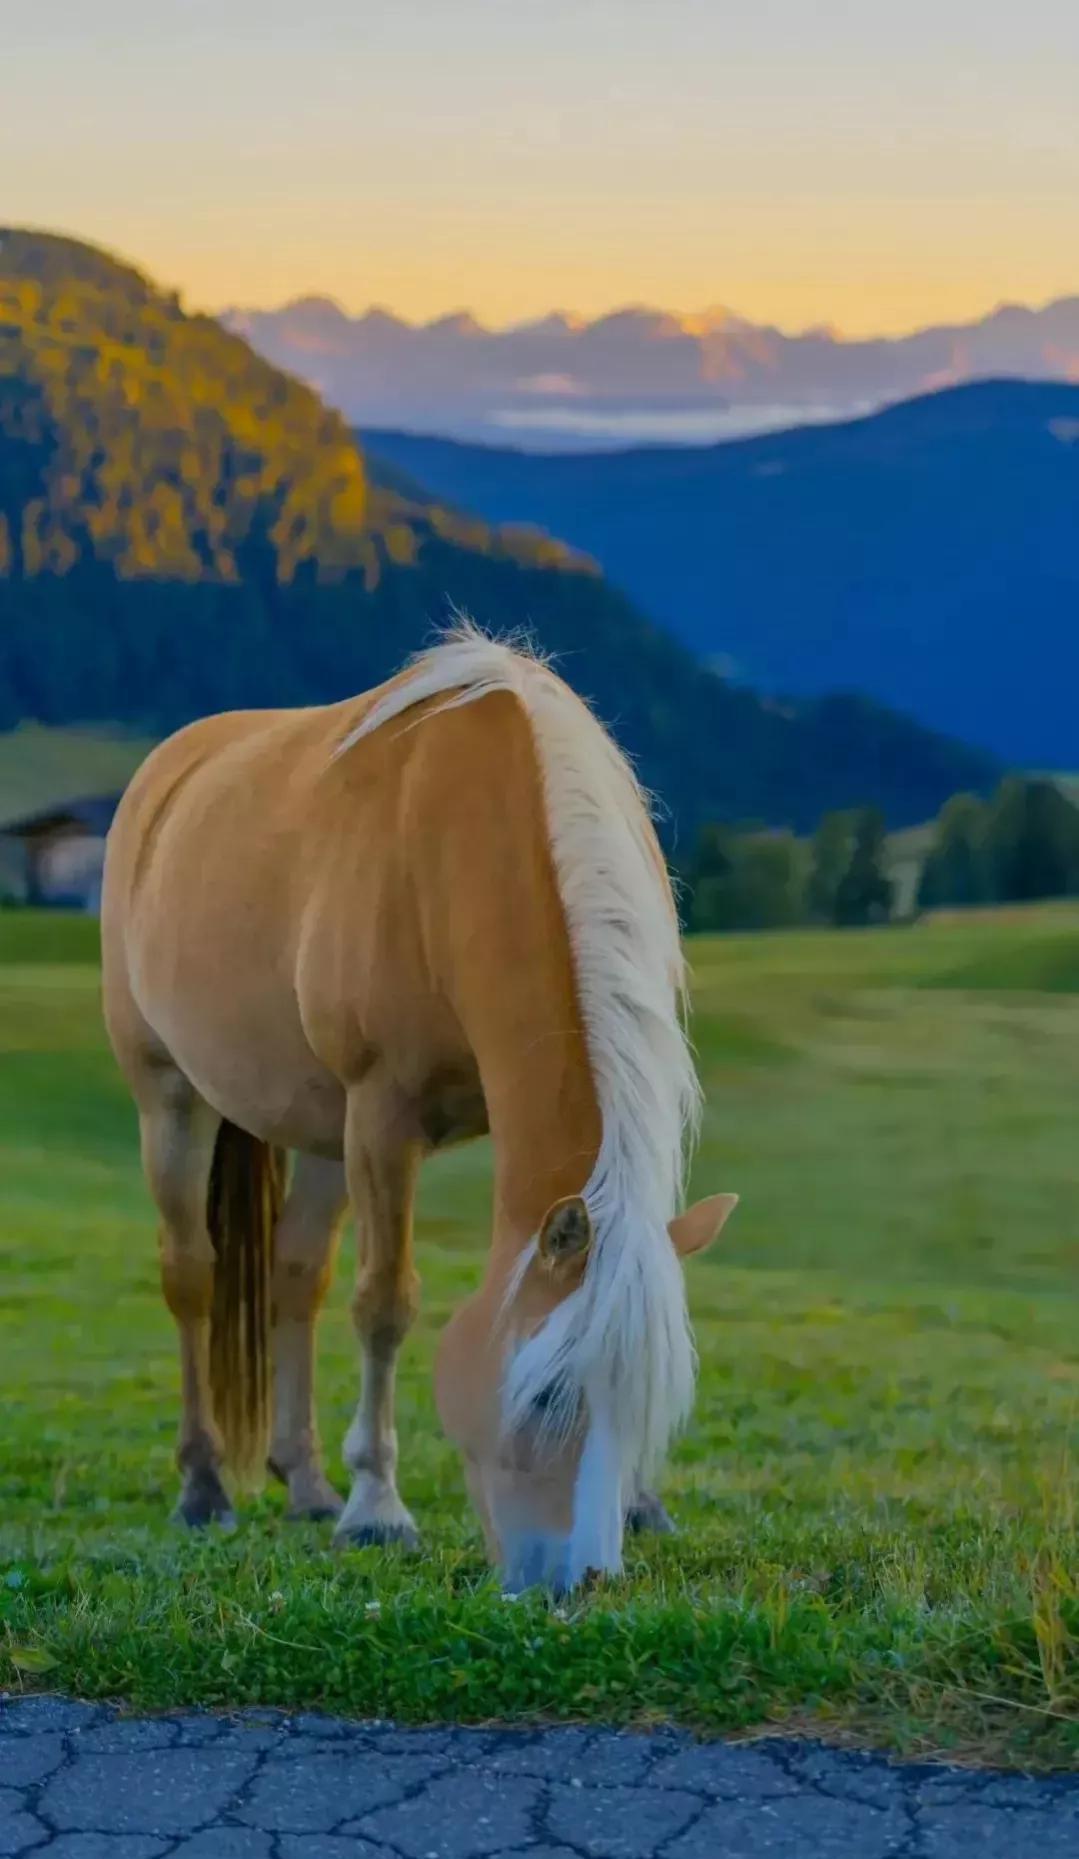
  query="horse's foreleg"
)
[
  {"x": 305, "y": 1244},
  {"x": 178, "y": 1131},
  {"x": 381, "y": 1169}
]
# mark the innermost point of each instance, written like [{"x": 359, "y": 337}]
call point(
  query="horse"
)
[{"x": 361, "y": 932}]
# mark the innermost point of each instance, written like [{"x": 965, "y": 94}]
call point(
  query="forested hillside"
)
[{"x": 183, "y": 528}]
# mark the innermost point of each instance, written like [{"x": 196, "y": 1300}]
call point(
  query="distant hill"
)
[
  {"x": 928, "y": 556},
  {"x": 183, "y": 529},
  {"x": 42, "y": 767},
  {"x": 560, "y": 383}
]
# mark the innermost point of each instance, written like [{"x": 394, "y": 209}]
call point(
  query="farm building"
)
[
  {"x": 58, "y": 792},
  {"x": 54, "y": 857},
  {"x": 905, "y": 853}
]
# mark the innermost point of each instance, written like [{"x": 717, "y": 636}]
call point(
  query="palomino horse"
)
[{"x": 361, "y": 933}]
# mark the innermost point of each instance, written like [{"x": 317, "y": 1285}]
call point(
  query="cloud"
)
[{"x": 680, "y": 425}]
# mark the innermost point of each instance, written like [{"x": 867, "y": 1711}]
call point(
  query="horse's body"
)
[{"x": 361, "y": 939}]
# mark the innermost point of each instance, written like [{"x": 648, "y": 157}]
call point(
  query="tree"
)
[
  {"x": 1032, "y": 841},
  {"x": 707, "y": 875},
  {"x": 829, "y": 858},
  {"x": 864, "y": 894},
  {"x": 748, "y": 880},
  {"x": 957, "y": 870}
]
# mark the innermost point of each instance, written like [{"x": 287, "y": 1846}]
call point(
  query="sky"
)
[{"x": 869, "y": 164}]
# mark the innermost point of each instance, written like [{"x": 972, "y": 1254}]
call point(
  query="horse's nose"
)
[{"x": 536, "y": 1560}]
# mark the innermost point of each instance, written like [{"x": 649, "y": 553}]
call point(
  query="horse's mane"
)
[{"x": 622, "y": 1339}]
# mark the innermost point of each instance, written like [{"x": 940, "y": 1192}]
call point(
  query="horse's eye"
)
[{"x": 544, "y": 1399}]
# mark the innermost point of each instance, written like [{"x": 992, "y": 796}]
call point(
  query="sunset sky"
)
[{"x": 869, "y": 164}]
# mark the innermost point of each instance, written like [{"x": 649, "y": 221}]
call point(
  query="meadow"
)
[{"x": 876, "y": 1498}]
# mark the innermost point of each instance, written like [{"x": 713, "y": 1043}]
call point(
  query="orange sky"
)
[{"x": 872, "y": 166}]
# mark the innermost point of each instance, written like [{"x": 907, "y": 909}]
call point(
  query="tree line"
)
[{"x": 1019, "y": 845}]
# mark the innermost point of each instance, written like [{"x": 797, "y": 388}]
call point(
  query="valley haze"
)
[{"x": 638, "y": 374}]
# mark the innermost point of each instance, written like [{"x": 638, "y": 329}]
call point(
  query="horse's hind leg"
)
[
  {"x": 178, "y": 1131},
  {"x": 381, "y": 1168},
  {"x": 304, "y": 1247}
]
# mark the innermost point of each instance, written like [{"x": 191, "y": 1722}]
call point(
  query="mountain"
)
[
  {"x": 183, "y": 528},
  {"x": 927, "y": 555},
  {"x": 560, "y": 383}
]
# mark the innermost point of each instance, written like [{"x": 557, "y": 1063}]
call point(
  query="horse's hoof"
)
[
  {"x": 204, "y": 1501},
  {"x": 648, "y": 1517},
  {"x": 196, "y": 1514},
  {"x": 314, "y": 1501},
  {"x": 378, "y": 1536},
  {"x": 315, "y": 1513}
]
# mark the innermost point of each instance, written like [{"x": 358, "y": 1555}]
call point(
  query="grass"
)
[{"x": 876, "y": 1496}]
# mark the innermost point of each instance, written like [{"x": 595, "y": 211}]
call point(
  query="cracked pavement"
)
[{"x": 80, "y": 1781}]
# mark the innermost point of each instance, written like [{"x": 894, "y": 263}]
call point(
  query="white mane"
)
[{"x": 622, "y": 1340}]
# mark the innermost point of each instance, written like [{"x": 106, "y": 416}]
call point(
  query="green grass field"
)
[{"x": 877, "y": 1495}]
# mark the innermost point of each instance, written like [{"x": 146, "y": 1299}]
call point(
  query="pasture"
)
[{"x": 876, "y": 1498}]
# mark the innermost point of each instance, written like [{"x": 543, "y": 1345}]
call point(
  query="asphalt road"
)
[{"x": 78, "y": 1781}]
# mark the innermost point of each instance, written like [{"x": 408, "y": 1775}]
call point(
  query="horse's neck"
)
[
  {"x": 545, "y": 1124},
  {"x": 494, "y": 931}
]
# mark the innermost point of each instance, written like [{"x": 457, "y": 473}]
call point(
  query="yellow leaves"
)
[
  {"x": 402, "y": 546},
  {"x": 162, "y": 444}
]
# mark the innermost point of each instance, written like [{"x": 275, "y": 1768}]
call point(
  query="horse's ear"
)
[
  {"x": 565, "y": 1238},
  {"x": 701, "y": 1223}
]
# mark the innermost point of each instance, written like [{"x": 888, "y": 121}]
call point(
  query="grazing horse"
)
[{"x": 363, "y": 932}]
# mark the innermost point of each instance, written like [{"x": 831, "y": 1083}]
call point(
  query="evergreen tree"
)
[
  {"x": 1032, "y": 842},
  {"x": 957, "y": 870},
  {"x": 829, "y": 858},
  {"x": 865, "y": 893},
  {"x": 707, "y": 877},
  {"x": 747, "y": 880}
]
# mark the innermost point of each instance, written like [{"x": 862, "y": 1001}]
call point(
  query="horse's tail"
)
[{"x": 244, "y": 1200}]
